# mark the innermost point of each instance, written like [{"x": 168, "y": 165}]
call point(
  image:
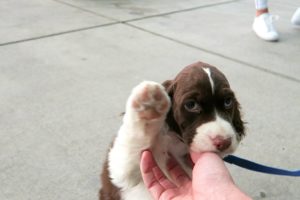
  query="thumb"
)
[
  {"x": 211, "y": 179},
  {"x": 210, "y": 170}
]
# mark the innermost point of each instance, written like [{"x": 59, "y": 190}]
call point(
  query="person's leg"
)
[
  {"x": 261, "y": 7},
  {"x": 296, "y": 18},
  {"x": 263, "y": 24}
]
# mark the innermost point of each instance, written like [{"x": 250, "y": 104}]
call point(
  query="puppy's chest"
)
[{"x": 169, "y": 145}]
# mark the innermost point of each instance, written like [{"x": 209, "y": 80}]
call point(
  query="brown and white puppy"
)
[{"x": 197, "y": 111}]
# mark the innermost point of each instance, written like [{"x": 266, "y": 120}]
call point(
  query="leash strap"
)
[{"x": 258, "y": 167}]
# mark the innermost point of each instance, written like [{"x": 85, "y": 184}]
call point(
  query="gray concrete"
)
[
  {"x": 22, "y": 19},
  {"x": 224, "y": 30},
  {"x": 68, "y": 66},
  {"x": 135, "y": 9}
]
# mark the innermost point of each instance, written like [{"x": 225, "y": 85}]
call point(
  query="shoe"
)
[
  {"x": 296, "y": 18},
  {"x": 263, "y": 27}
]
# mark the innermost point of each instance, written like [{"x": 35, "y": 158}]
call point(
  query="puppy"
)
[{"x": 197, "y": 111}]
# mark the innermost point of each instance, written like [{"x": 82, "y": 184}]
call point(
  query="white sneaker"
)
[
  {"x": 296, "y": 18},
  {"x": 263, "y": 27}
]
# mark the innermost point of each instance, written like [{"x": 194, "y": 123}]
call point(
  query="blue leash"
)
[{"x": 258, "y": 167}]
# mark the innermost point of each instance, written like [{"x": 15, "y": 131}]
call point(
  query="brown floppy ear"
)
[
  {"x": 168, "y": 84},
  {"x": 170, "y": 88},
  {"x": 238, "y": 123}
]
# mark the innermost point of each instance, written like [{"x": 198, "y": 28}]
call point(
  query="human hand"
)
[{"x": 211, "y": 179}]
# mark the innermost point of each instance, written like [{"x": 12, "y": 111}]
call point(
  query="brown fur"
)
[
  {"x": 188, "y": 84},
  {"x": 191, "y": 82},
  {"x": 108, "y": 190}
]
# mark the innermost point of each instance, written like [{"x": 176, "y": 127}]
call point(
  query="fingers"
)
[
  {"x": 153, "y": 177},
  {"x": 177, "y": 174}
]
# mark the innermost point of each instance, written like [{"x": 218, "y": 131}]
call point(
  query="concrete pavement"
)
[{"x": 67, "y": 67}]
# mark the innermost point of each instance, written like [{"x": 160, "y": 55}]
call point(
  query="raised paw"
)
[{"x": 149, "y": 100}]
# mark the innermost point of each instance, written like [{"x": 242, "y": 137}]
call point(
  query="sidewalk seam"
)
[
  {"x": 57, "y": 34},
  {"x": 115, "y": 21},
  {"x": 85, "y": 10},
  {"x": 149, "y": 16},
  {"x": 217, "y": 54},
  {"x": 182, "y": 11},
  {"x": 127, "y": 23}
]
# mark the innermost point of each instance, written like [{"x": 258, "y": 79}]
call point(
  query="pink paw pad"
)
[{"x": 150, "y": 101}]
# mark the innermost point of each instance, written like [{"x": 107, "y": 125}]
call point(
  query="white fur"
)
[
  {"x": 207, "y": 71},
  {"x": 136, "y": 135},
  {"x": 137, "y": 192},
  {"x": 202, "y": 141}
]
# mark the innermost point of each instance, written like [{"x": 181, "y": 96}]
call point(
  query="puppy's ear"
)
[
  {"x": 169, "y": 87},
  {"x": 238, "y": 123}
]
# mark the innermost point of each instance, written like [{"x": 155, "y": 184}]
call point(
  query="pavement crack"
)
[
  {"x": 181, "y": 11},
  {"x": 148, "y": 16},
  {"x": 85, "y": 10},
  {"x": 57, "y": 34},
  {"x": 257, "y": 67},
  {"x": 115, "y": 21}
]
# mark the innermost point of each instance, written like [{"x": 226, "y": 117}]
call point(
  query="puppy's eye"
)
[
  {"x": 228, "y": 102},
  {"x": 192, "y": 106}
]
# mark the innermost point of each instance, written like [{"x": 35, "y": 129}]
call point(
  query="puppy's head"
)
[{"x": 204, "y": 112}]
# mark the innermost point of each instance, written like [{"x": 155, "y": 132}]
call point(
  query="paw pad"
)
[{"x": 150, "y": 100}]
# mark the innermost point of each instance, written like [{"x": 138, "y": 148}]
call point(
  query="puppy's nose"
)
[{"x": 221, "y": 143}]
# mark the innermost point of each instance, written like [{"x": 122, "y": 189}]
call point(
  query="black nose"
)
[{"x": 220, "y": 143}]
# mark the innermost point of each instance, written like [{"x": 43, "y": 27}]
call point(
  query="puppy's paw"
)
[{"x": 150, "y": 100}]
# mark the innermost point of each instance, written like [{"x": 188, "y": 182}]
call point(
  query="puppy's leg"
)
[{"x": 144, "y": 119}]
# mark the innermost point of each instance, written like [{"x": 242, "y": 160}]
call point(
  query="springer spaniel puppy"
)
[{"x": 197, "y": 111}]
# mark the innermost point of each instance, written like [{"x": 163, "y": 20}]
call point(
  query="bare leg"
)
[{"x": 261, "y": 11}]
